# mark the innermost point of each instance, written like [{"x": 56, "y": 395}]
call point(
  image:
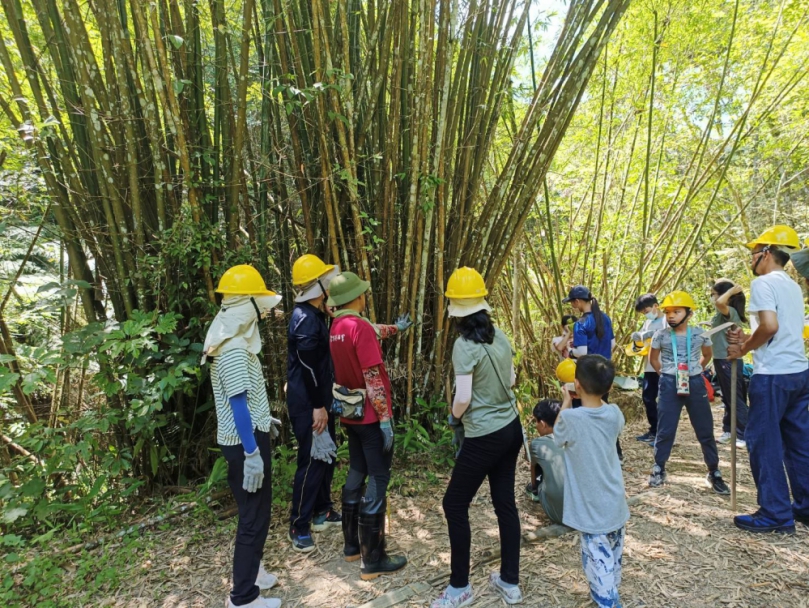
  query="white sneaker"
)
[
  {"x": 265, "y": 580},
  {"x": 259, "y": 602},
  {"x": 510, "y": 595},
  {"x": 445, "y": 600},
  {"x": 741, "y": 443},
  {"x": 724, "y": 438}
]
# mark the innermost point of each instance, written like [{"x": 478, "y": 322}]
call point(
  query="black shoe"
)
[
  {"x": 801, "y": 519},
  {"x": 375, "y": 559},
  {"x": 718, "y": 484},
  {"x": 529, "y": 491},
  {"x": 648, "y": 438},
  {"x": 301, "y": 541},
  {"x": 322, "y": 521},
  {"x": 658, "y": 477},
  {"x": 351, "y": 535}
]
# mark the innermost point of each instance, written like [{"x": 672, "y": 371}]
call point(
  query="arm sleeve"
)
[
  {"x": 310, "y": 359},
  {"x": 762, "y": 297},
  {"x": 244, "y": 424},
  {"x": 386, "y": 331},
  {"x": 377, "y": 394},
  {"x": 463, "y": 394}
]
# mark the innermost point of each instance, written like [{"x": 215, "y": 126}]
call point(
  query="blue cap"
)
[{"x": 579, "y": 292}]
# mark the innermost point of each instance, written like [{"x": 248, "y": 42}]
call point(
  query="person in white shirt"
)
[{"x": 777, "y": 431}]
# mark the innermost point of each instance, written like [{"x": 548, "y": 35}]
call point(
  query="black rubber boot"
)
[
  {"x": 375, "y": 560},
  {"x": 351, "y": 536}
]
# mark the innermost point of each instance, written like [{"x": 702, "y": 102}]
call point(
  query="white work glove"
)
[
  {"x": 275, "y": 424},
  {"x": 323, "y": 447},
  {"x": 253, "y": 472},
  {"x": 637, "y": 337}
]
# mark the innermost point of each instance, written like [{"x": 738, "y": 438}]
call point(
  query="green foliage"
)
[{"x": 426, "y": 433}]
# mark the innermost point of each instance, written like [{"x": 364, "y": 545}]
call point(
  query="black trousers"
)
[
  {"x": 493, "y": 456},
  {"x": 367, "y": 459},
  {"x": 254, "y": 519},
  {"x": 311, "y": 488},
  {"x": 651, "y": 386},
  {"x": 723, "y": 369}
]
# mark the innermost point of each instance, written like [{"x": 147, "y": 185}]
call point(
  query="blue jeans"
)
[
  {"x": 777, "y": 435},
  {"x": 601, "y": 558}
]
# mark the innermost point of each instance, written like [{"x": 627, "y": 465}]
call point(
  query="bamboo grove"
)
[{"x": 360, "y": 131}]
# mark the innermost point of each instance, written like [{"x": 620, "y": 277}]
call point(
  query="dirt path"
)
[{"x": 682, "y": 550}]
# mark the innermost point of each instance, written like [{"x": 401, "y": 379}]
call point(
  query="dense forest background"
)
[{"x": 146, "y": 147}]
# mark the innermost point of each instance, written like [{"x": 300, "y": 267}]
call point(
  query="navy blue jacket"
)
[{"x": 309, "y": 369}]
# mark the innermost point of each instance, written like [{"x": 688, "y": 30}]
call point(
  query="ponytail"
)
[{"x": 598, "y": 316}]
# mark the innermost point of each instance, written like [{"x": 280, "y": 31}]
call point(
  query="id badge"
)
[{"x": 683, "y": 379}]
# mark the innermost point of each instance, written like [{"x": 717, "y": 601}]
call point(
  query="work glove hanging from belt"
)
[
  {"x": 253, "y": 471},
  {"x": 323, "y": 447},
  {"x": 387, "y": 435},
  {"x": 275, "y": 424},
  {"x": 458, "y": 432}
]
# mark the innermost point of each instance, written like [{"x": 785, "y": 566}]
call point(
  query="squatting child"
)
[
  {"x": 679, "y": 353},
  {"x": 594, "y": 500},
  {"x": 547, "y": 463}
]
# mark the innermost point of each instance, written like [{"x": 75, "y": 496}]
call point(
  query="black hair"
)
[
  {"x": 595, "y": 374},
  {"x": 568, "y": 319},
  {"x": 647, "y": 300},
  {"x": 780, "y": 257},
  {"x": 738, "y": 301},
  {"x": 599, "y": 318},
  {"x": 547, "y": 410},
  {"x": 477, "y": 327}
]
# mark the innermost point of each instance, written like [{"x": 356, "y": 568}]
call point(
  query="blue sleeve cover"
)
[{"x": 244, "y": 424}]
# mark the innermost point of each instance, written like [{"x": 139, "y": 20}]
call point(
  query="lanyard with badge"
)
[{"x": 683, "y": 373}]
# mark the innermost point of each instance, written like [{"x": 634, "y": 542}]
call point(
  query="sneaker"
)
[
  {"x": 301, "y": 541},
  {"x": 755, "y": 522},
  {"x": 265, "y": 580},
  {"x": 529, "y": 491},
  {"x": 510, "y": 595},
  {"x": 658, "y": 477},
  {"x": 259, "y": 602},
  {"x": 741, "y": 443},
  {"x": 717, "y": 483},
  {"x": 724, "y": 437},
  {"x": 322, "y": 521},
  {"x": 647, "y": 438},
  {"x": 445, "y": 600}
]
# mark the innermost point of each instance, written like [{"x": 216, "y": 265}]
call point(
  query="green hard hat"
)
[{"x": 345, "y": 288}]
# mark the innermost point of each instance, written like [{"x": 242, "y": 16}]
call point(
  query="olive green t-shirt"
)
[
  {"x": 720, "y": 339},
  {"x": 491, "y": 407}
]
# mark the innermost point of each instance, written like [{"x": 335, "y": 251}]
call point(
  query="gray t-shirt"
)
[
  {"x": 549, "y": 456},
  {"x": 720, "y": 338},
  {"x": 662, "y": 341},
  {"x": 595, "y": 501},
  {"x": 491, "y": 408}
]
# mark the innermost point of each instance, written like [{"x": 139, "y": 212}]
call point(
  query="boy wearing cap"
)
[{"x": 679, "y": 354}]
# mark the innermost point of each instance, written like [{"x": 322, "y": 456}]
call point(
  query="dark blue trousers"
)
[
  {"x": 670, "y": 406},
  {"x": 651, "y": 385},
  {"x": 311, "y": 489},
  {"x": 778, "y": 436},
  {"x": 723, "y": 369}
]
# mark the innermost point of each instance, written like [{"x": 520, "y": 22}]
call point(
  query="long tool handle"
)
[{"x": 734, "y": 375}]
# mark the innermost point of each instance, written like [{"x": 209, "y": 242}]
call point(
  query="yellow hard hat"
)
[
  {"x": 465, "y": 284},
  {"x": 243, "y": 280},
  {"x": 308, "y": 268},
  {"x": 566, "y": 371},
  {"x": 678, "y": 299},
  {"x": 782, "y": 236},
  {"x": 637, "y": 349}
]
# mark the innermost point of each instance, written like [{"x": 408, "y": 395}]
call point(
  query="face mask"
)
[{"x": 651, "y": 316}]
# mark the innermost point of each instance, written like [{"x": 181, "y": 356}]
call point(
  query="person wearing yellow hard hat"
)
[
  {"x": 309, "y": 399},
  {"x": 730, "y": 303},
  {"x": 485, "y": 405},
  {"x": 679, "y": 354},
  {"x": 654, "y": 319},
  {"x": 778, "y": 423},
  {"x": 362, "y": 391},
  {"x": 244, "y": 424}
]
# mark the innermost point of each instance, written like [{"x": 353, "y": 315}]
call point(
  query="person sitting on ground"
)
[
  {"x": 561, "y": 343},
  {"x": 649, "y": 307},
  {"x": 730, "y": 304},
  {"x": 679, "y": 354},
  {"x": 486, "y": 406},
  {"x": 594, "y": 499},
  {"x": 547, "y": 464}
]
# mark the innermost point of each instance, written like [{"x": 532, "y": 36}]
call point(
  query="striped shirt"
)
[{"x": 234, "y": 372}]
